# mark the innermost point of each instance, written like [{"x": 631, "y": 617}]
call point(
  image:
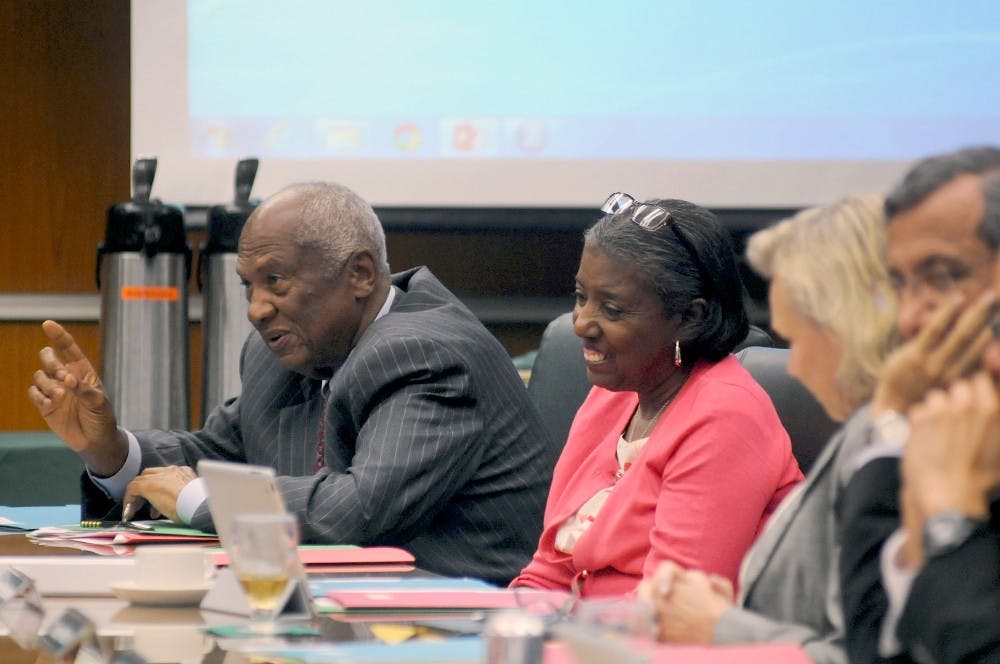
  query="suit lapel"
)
[{"x": 760, "y": 554}]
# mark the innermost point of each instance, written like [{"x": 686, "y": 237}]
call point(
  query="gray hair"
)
[
  {"x": 338, "y": 222},
  {"x": 932, "y": 173},
  {"x": 691, "y": 257},
  {"x": 831, "y": 260}
]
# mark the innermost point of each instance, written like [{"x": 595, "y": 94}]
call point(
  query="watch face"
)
[
  {"x": 892, "y": 427},
  {"x": 944, "y": 532}
]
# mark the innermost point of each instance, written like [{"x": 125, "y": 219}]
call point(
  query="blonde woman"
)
[{"x": 831, "y": 299}]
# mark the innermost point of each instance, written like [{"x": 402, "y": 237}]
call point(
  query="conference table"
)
[
  {"x": 160, "y": 634},
  {"x": 164, "y": 634}
]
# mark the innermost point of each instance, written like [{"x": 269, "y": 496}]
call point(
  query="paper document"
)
[
  {"x": 34, "y": 517},
  {"x": 120, "y": 540}
]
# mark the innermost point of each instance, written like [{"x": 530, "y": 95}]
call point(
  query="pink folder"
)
[
  {"x": 342, "y": 555},
  {"x": 448, "y": 599}
]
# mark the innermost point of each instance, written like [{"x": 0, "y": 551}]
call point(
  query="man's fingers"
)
[
  {"x": 63, "y": 341},
  {"x": 38, "y": 398},
  {"x": 963, "y": 341},
  {"x": 968, "y": 357},
  {"x": 134, "y": 499},
  {"x": 46, "y": 385},
  {"x": 51, "y": 364},
  {"x": 940, "y": 322},
  {"x": 986, "y": 392}
]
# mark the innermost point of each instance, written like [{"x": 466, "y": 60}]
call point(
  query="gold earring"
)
[{"x": 677, "y": 353}]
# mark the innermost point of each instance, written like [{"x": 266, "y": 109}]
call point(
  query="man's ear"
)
[{"x": 362, "y": 273}]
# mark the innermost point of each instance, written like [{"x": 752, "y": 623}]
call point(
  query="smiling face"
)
[
  {"x": 628, "y": 340},
  {"x": 307, "y": 318},
  {"x": 814, "y": 355}
]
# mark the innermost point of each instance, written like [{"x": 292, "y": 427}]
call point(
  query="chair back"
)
[
  {"x": 559, "y": 383},
  {"x": 805, "y": 420}
]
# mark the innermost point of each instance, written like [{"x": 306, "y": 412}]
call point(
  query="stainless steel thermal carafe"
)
[
  {"x": 142, "y": 271},
  {"x": 225, "y": 321}
]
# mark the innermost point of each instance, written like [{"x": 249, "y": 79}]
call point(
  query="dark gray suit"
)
[
  {"x": 790, "y": 587},
  {"x": 431, "y": 442},
  {"x": 953, "y": 611}
]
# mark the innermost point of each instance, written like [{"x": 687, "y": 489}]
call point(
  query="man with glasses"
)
[{"x": 943, "y": 239}]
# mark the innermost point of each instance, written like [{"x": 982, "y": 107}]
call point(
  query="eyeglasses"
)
[
  {"x": 648, "y": 216},
  {"x": 653, "y": 217},
  {"x": 937, "y": 279}
]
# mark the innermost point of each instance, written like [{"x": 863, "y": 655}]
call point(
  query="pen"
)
[
  {"x": 127, "y": 511},
  {"x": 97, "y": 523}
]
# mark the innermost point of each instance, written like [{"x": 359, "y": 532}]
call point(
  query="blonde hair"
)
[{"x": 831, "y": 260}]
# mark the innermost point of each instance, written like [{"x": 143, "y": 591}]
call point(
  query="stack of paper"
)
[{"x": 117, "y": 541}]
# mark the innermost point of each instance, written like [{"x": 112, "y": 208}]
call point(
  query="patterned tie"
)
[{"x": 320, "y": 446}]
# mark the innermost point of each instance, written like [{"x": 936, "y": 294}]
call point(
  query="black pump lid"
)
[
  {"x": 142, "y": 224},
  {"x": 225, "y": 222}
]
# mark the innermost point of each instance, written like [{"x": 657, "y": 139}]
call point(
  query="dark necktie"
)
[{"x": 320, "y": 445}]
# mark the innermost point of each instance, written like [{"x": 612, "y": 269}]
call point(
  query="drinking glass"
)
[
  {"x": 264, "y": 558},
  {"x": 618, "y": 630}
]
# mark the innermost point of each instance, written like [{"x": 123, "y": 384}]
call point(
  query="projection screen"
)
[{"x": 535, "y": 103}]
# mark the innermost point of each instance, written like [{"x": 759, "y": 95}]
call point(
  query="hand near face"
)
[
  {"x": 948, "y": 347},
  {"x": 160, "y": 487},
  {"x": 688, "y": 603},
  {"x": 71, "y": 399},
  {"x": 952, "y": 459}
]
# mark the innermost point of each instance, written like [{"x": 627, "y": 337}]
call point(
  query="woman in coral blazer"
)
[{"x": 677, "y": 453}]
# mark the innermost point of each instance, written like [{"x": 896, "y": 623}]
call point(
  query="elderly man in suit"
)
[{"x": 390, "y": 413}]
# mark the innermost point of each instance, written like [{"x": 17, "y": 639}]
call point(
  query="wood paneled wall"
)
[
  {"x": 64, "y": 156},
  {"x": 64, "y": 138}
]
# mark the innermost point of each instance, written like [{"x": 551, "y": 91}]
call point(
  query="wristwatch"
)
[
  {"x": 946, "y": 531},
  {"x": 891, "y": 428}
]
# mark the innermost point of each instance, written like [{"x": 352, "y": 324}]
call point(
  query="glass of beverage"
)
[
  {"x": 610, "y": 630},
  {"x": 264, "y": 558}
]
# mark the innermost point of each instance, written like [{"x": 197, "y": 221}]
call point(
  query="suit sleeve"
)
[
  {"x": 868, "y": 514},
  {"x": 219, "y": 439},
  {"x": 740, "y": 625},
  {"x": 953, "y": 610},
  {"x": 416, "y": 443}
]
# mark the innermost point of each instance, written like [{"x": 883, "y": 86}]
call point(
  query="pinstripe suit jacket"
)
[
  {"x": 431, "y": 441},
  {"x": 789, "y": 583}
]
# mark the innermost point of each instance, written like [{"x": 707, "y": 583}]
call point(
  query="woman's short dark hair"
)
[{"x": 691, "y": 257}]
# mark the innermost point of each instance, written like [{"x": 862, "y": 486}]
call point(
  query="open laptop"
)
[{"x": 235, "y": 489}]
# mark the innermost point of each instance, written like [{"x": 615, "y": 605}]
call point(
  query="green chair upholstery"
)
[{"x": 36, "y": 468}]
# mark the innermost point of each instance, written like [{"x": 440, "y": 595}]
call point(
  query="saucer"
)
[{"x": 188, "y": 596}]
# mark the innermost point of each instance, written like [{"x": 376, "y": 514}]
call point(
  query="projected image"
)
[{"x": 631, "y": 80}]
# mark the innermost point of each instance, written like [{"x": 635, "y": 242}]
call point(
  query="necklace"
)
[{"x": 631, "y": 433}]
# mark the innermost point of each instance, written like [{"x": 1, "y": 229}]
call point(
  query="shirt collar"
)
[{"x": 389, "y": 299}]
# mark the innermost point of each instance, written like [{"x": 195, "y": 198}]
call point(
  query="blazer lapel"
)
[{"x": 760, "y": 554}]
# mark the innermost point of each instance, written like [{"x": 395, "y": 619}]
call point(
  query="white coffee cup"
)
[{"x": 171, "y": 567}]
